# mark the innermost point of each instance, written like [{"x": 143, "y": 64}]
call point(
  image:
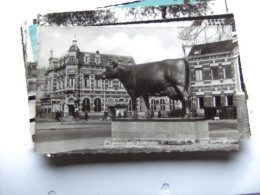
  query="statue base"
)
[{"x": 190, "y": 129}]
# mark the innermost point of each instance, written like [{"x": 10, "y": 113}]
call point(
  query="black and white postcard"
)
[{"x": 159, "y": 87}]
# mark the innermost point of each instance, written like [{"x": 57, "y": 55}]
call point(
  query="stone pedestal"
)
[
  {"x": 242, "y": 115},
  {"x": 193, "y": 130}
]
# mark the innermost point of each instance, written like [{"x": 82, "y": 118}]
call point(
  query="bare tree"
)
[{"x": 209, "y": 29}]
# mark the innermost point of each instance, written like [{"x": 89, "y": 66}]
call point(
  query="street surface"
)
[
  {"x": 53, "y": 136},
  {"x": 52, "y": 131}
]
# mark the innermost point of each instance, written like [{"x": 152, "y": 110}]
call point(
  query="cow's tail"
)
[{"x": 187, "y": 75}]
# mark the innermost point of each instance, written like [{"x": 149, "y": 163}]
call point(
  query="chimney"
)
[{"x": 51, "y": 53}]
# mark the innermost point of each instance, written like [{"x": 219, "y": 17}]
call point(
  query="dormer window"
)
[
  {"x": 130, "y": 63},
  {"x": 197, "y": 52},
  {"x": 86, "y": 59},
  {"x": 97, "y": 60}
]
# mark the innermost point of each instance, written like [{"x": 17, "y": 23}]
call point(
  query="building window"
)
[
  {"x": 86, "y": 59},
  {"x": 200, "y": 102},
  {"x": 227, "y": 72},
  {"x": 171, "y": 104},
  {"x": 71, "y": 82},
  {"x": 153, "y": 105},
  {"x": 72, "y": 59},
  {"x": 214, "y": 73},
  {"x": 86, "y": 105},
  {"x": 162, "y": 104},
  {"x": 97, "y": 104},
  {"x": 110, "y": 83},
  {"x": 197, "y": 51},
  {"x": 217, "y": 101},
  {"x": 98, "y": 60},
  {"x": 98, "y": 82},
  {"x": 86, "y": 81},
  {"x": 130, "y": 105},
  {"x": 229, "y": 100},
  {"x": 198, "y": 75}
]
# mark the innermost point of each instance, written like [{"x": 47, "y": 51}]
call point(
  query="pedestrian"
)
[
  {"x": 159, "y": 114},
  {"x": 57, "y": 115},
  {"x": 105, "y": 114},
  {"x": 76, "y": 115}
]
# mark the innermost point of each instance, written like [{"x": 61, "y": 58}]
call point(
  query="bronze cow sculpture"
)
[{"x": 163, "y": 78}]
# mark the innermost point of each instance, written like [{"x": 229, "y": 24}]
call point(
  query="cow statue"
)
[{"x": 163, "y": 78}]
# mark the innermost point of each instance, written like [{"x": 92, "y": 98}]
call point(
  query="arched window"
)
[
  {"x": 97, "y": 103},
  {"x": 121, "y": 101},
  {"x": 130, "y": 105},
  {"x": 162, "y": 104},
  {"x": 153, "y": 105},
  {"x": 86, "y": 105}
]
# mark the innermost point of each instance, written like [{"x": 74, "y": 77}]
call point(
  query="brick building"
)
[{"x": 214, "y": 74}]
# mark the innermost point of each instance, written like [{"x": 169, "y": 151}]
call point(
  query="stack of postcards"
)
[{"x": 132, "y": 78}]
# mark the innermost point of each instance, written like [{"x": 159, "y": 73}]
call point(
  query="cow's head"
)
[{"x": 111, "y": 72}]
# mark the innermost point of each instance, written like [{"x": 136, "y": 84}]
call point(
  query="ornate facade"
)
[{"x": 71, "y": 84}]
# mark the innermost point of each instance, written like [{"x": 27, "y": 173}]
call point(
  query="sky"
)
[{"x": 145, "y": 44}]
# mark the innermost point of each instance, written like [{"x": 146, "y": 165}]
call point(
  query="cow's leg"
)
[
  {"x": 146, "y": 101},
  {"x": 134, "y": 108},
  {"x": 184, "y": 95}
]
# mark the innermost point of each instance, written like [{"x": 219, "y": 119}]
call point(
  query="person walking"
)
[{"x": 57, "y": 115}]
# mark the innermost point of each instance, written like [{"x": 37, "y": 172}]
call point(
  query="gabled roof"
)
[
  {"x": 105, "y": 58},
  {"x": 210, "y": 48}
]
